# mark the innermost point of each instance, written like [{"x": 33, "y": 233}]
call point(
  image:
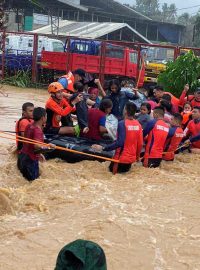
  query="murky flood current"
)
[{"x": 146, "y": 219}]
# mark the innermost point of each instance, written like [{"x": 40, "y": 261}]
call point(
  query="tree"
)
[
  {"x": 148, "y": 7},
  {"x": 169, "y": 13},
  {"x": 184, "y": 19},
  {"x": 197, "y": 31},
  {"x": 186, "y": 69}
]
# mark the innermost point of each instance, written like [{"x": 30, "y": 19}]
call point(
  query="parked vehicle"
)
[
  {"x": 87, "y": 54},
  {"x": 19, "y": 50}
]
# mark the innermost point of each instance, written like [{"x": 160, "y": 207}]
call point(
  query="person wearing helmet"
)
[
  {"x": 57, "y": 107},
  {"x": 70, "y": 78},
  {"x": 193, "y": 99}
]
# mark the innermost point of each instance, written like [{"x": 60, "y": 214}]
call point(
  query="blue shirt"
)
[{"x": 64, "y": 82}]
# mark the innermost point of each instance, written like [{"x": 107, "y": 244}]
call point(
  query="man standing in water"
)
[
  {"x": 28, "y": 159},
  {"x": 129, "y": 141}
]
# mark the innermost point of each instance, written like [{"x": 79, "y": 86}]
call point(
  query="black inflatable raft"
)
[{"x": 79, "y": 144}]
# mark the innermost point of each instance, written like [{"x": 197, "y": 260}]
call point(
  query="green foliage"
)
[
  {"x": 186, "y": 69},
  {"x": 20, "y": 79}
]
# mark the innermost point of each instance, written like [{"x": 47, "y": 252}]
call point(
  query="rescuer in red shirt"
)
[
  {"x": 156, "y": 132},
  {"x": 193, "y": 127},
  {"x": 129, "y": 141},
  {"x": 174, "y": 137}
]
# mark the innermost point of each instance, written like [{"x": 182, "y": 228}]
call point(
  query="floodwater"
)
[{"x": 147, "y": 219}]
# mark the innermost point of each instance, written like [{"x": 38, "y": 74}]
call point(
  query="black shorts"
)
[
  {"x": 121, "y": 168},
  {"x": 52, "y": 130},
  {"x": 154, "y": 162},
  {"x": 28, "y": 167}
]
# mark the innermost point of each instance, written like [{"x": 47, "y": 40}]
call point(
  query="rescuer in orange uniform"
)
[{"x": 57, "y": 107}]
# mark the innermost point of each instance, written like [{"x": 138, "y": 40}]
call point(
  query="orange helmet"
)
[{"x": 55, "y": 87}]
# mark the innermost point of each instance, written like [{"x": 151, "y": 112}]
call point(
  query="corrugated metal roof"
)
[
  {"x": 88, "y": 29},
  {"x": 70, "y": 3}
]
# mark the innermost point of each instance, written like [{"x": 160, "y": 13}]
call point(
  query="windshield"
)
[
  {"x": 159, "y": 54},
  {"x": 58, "y": 47}
]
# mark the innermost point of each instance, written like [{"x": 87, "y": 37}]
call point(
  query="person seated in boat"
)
[
  {"x": 193, "y": 127},
  {"x": 174, "y": 137},
  {"x": 97, "y": 120},
  {"x": 57, "y": 107},
  {"x": 23, "y": 122},
  {"x": 28, "y": 159},
  {"x": 81, "y": 108},
  {"x": 129, "y": 141}
]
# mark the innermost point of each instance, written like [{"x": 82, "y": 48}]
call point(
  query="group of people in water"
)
[{"x": 147, "y": 127}]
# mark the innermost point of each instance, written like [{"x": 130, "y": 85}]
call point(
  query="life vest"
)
[
  {"x": 70, "y": 79},
  {"x": 156, "y": 140},
  {"x": 172, "y": 144},
  {"x": 194, "y": 130},
  {"x": 94, "y": 116},
  {"x": 132, "y": 144},
  {"x": 19, "y": 130},
  {"x": 186, "y": 119},
  {"x": 55, "y": 111}
]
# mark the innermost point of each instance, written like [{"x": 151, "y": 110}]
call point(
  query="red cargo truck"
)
[{"x": 111, "y": 61}]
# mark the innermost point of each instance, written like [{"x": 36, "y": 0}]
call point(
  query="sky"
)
[{"x": 179, "y": 4}]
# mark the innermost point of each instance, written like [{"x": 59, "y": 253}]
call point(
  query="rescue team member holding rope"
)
[
  {"x": 57, "y": 107},
  {"x": 28, "y": 159}
]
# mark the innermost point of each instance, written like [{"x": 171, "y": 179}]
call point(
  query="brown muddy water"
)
[{"x": 146, "y": 219}]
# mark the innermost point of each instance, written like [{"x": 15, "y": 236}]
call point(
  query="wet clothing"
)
[
  {"x": 186, "y": 119},
  {"x": 96, "y": 118},
  {"x": 29, "y": 168},
  {"x": 121, "y": 167},
  {"x": 34, "y": 133},
  {"x": 157, "y": 131},
  {"x": 126, "y": 94},
  {"x": 81, "y": 255},
  {"x": 20, "y": 127},
  {"x": 154, "y": 162},
  {"x": 174, "y": 138},
  {"x": 28, "y": 160},
  {"x": 119, "y": 100},
  {"x": 143, "y": 119},
  {"x": 115, "y": 98},
  {"x": 55, "y": 111},
  {"x": 190, "y": 98},
  {"x": 192, "y": 130},
  {"x": 195, "y": 138},
  {"x": 81, "y": 111},
  {"x": 129, "y": 142}
]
